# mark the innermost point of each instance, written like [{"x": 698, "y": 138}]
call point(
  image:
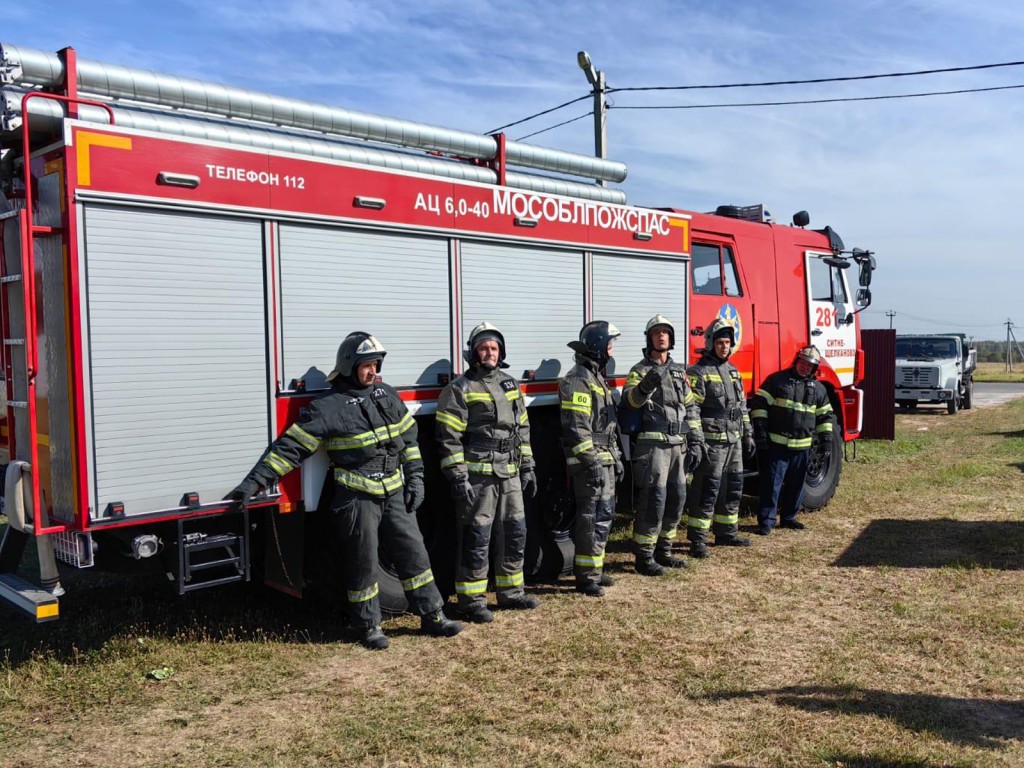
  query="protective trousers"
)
[
  {"x": 782, "y": 484},
  {"x": 595, "y": 508},
  {"x": 496, "y": 514},
  {"x": 359, "y": 519},
  {"x": 661, "y": 478},
  {"x": 716, "y": 490}
]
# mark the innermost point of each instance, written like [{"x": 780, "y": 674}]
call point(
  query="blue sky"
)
[{"x": 933, "y": 185}]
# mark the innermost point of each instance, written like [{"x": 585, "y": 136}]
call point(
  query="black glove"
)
[
  {"x": 696, "y": 452},
  {"x": 241, "y": 496},
  {"x": 749, "y": 447},
  {"x": 528, "y": 479},
  {"x": 620, "y": 471},
  {"x": 463, "y": 491},
  {"x": 596, "y": 475},
  {"x": 650, "y": 382},
  {"x": 761, "y": 438},
  {"x": 414, "y": 493}
]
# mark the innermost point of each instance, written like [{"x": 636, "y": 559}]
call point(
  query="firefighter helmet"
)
[
  {"x": 594, "y": 339},
  {"x": 358, "y": 347},
  {"x": 809, "y": 354},
  {"x": 717, "y": 330},
  {"x": 484, "y": 332},
  {"x": 653, "y": 323}
]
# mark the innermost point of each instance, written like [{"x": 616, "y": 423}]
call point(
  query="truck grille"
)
[{"x": 912, "y": 376}]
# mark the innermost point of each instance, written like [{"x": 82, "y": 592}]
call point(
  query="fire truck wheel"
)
[
  {"x": 823, "y": 468},
  {"x": 968, "y": 395},
  {"x": 953, "y": 405}
]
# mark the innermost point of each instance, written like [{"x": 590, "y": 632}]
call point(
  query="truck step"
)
[
  {"x": 210, "y": 560},
  {"x": 29, "y": 598}
]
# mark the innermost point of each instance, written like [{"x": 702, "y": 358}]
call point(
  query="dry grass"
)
[
  {"x": 889, "y": 634},
  {"x": 998, "y": 372}
]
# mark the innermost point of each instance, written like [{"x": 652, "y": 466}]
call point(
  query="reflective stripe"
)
[
  {"x": 659, "y": 437},
  {"x": 641, "y": 538},
  {"x": 471, "y": 587},
  {"x": 568, "y": 406},
  {"x": 358, "y": 482},
  {"x": 450, "y": 420},
  {"x": 796, "y": 443},
  {"x": 412, "y": 453},
  {"x": 482, "y": 468},
  {"x": 764, "y": 393},
  {"x": 279, "y": 464},
  {"x": 698, "y": 397},
  {"x": 586, "y": 445},
  {"x": 362, "y": 595},
  {"x": 694, "y": 424},
  {"x": 372, "y": 437},
  {"x": 455, "y": 458},
  {"x": 826, "y": 427},
  {"x": 526, "y": 450},
  {"x": 512, "y": 394},
  {"x": 689, "y": 399},
  {"x": 595, "y": 388},
  {"x": 719, "y": 436},
  {"x": 408, "y": 585},
  {"x": 670, "y": 535},
  {"x": 523, "y": 417},
  {"x": 759, "y": 414},
  {"x": 602, "y": 455},
  {"x": 727, "y": 519},
  {"x": 589, "y": 561},
  {"x": 698, "y": 522},
  {"x": 505, "y": 580},
  {"x": 794, "y": 406},
  {"x": 479, "y": 397},
  {"x": 711, "y": 377},
  {"x": 826, "y": 408},
  {"x": 302, "y": 437}
]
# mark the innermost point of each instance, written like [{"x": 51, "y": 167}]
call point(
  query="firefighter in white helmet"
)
[
  {"x": 370, "y": 438},
  {"x": 669, "y": 442},
  {"x": 787, "y": 411},
  {"x": 483, "y": 431},
  {"x": 717, "y": 485}
]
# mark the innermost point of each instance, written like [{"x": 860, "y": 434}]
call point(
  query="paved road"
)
[{"x": 996, "y": 393}]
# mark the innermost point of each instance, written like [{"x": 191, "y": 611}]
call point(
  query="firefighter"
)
[
  {"x": 788, "y": 410},
  {"x": 370, "y": 438},
  {"x": 484, "y": 435},
  {"x": 669, "y": 443},
  {"x": 590, "y": 437},
  {"x": 717, "y": 484}
]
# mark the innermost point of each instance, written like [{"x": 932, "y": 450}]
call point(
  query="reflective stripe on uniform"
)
[
  {"x": 506, "y": 580},
  {"x": 595, "y": 388},
  {"x": 411, "y": 453},
  {"x": 824, "y": 427},
  {"x": 602, "y": 455},
  {"x": 455, "y": 458},
  {"x": 589, "y": 561},
  {"x": 471, "y": 587},
  {"x": 408, "y": 585},
  {"x": 279, "y": 464},
  {"x": 512, "y": 394},
  {"x": 362, "y": 595},
  {"x": 826, "y": 408},
  {"x": 586, "y": 445},
  {"x": 523, "y": 417},
  {"x": 643, "y": 538},
  {"x": 759, "y": 414},
  {"x": 727, "y": 519},
  {"x": 358, "y": 482},
  {"x": 580, "y": 402},
  {"x": 670, "y": 535},
  {"x": 479, "y": 397},
  {"x": 303, "y": 438},
  {"x": 767, "y": 396},
  {"x": 698, "y": 522},
  {"x": 485, "y": 468},
  {"x": 526, "y": 450},
  {"x": 792, "y": 405},
  {"x": 796, "y": 443},
  {"x": 372, "y": 437},
  {"x": 450, "y": 420}
]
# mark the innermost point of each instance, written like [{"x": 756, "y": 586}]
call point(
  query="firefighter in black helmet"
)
[
  {"x": 484, "y": 435},
  {"x": 370, "y": 438},
  {"x": 788, "y": 410},
  {"x": 717, "y": 486},
  {"x": 668, "y": 444},
  {"x": 590, "y": 437}
]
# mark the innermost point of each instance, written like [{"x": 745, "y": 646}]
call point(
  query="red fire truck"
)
[{"x": 181, "y": 259}]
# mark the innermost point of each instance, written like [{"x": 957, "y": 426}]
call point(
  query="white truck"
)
[{"x": 935, "y": 368}]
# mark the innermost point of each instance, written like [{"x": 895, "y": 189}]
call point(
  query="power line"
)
[
  {"x": 556, "y": 125},
  {"x": 539, "y": 114},
  {"x": 947, "y": 322},
  {"x": 827, "y": 101},
  {"x": 818, "y": 79}
]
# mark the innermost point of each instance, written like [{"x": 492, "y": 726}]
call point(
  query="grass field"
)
[
  {"x": 890, "y": 634},
  {"x": 998, "y": 372}
]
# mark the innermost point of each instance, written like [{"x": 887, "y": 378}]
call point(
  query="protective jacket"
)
[
  {"x": 670, "y": 413},
  {"x": 482, "y": 426},
  {"x": 718, "y": 391},
  {"x": 590, "y": 431},
  {"x": 368, "y": 433},
  {"x": 791, "y": 409}
]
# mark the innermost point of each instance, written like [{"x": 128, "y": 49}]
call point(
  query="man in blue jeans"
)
[{"x": 787, "y": 411}]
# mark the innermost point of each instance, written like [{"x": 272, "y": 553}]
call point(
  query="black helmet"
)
[
  {"x": 653, "y": 323},
  {"x": 593, "y": 341},
  {"x": 357, "y": 348},
  {"x": 717, "y": 330},
  {"x": 484, "y": 332}
]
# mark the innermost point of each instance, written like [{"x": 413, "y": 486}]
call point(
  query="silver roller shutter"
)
[
  {"x": 177, "y": 348},
  {"x": 336, "y": 281},
  {"x": 628, "y": 291},
  {"x": 534, "y": 295}
]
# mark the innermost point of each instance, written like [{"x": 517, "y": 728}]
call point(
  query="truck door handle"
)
[
  {"x": 816, "y": 332},
  {"x": 698, "y": 331}
]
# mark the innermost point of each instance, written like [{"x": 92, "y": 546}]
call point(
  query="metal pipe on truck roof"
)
[
  {"x": 34, "y": 68},
  {"x": 46, "y": 114}
]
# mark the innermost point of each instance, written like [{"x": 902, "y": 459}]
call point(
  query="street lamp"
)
[{"x": 596, "y": 78}]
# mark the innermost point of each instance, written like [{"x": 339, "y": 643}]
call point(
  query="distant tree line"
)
[{"x": 994, "y": 352}]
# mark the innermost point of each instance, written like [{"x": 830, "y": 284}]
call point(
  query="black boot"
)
[
  {"x": 606, "y": 580},
  {"x": 795, "y": 525},
  {"x": 590, "y": 589},
  {"x": 698, "y": 549},
  {"x": 646, "y": 566},
  {"x": 478, "y": 614},
  {"x": 375, "y": 639},
  {"x": 439, "y": 625},
  {"x": 664, "y": 557},
  {"x": 521, "y": 603},
  {"x": 731, "y": 540}
]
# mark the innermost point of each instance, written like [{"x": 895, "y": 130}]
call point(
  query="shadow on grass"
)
[
  {"x": 937, "y": 544},
  {"x": 976, "y": 722}
]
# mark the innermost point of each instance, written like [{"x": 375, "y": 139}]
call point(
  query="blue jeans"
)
[{"x": 782, "y": 484}]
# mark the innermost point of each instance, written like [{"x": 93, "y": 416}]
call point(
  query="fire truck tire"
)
[
  {"x": 823, "y": 469},
  {"x": 968, "y": 401},
  {"x": 953, "y": 405}
]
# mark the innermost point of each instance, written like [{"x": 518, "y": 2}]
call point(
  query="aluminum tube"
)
[
  {"x": 48, "y": 114},
  {"x": 31, "y": 67}
]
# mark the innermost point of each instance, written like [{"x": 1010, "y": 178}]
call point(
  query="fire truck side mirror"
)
[
  {"x": 866, "y": 261},
  {"x": 863, "y": 297}
]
